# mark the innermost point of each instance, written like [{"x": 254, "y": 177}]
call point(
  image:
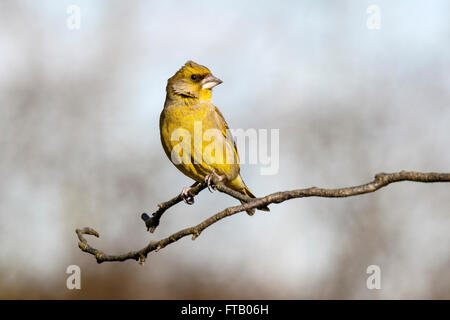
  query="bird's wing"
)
[
  {"x": 221, "y": 155},
  {"x": 225, "y": 129}
]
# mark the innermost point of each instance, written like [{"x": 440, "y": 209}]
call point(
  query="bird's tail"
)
[
  {"x": 239, "y": 185},
  {"x": 250, "y": 212}
]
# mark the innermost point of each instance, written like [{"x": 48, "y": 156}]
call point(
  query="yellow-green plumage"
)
[{"x": 188, "y": 106}]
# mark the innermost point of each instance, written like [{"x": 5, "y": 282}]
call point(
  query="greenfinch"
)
[{"x": 188, "y": 114}]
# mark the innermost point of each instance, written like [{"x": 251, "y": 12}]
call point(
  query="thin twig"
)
[
  {"x": 153, "y": 222},
  {"x": 381, "y": 180}
]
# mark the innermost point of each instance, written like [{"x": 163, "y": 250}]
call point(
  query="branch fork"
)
[{"x": 381, "y": 180}]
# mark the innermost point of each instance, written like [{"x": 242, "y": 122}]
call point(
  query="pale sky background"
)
[{"x": 80, "y": 147}]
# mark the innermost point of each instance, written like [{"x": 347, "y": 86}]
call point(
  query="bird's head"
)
[{"x": 192, "y": 82}]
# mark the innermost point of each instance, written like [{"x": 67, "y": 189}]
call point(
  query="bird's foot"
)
[
  {"x": 209, "y": 179},
  {"x": 186, "y": 196}
]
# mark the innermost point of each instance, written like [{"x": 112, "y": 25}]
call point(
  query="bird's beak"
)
[{"x": 210, "y": 82}]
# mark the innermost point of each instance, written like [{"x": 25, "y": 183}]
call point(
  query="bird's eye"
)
[{"x": 194, "y": 77}]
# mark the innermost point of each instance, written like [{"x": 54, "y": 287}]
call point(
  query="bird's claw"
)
[
  {"x": 209, "y": 180},
  {"x": 210, "y": 183},
  {"x": 187, "y": 198}
]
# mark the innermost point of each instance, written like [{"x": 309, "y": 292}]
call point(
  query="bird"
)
[{"x": 189, "y": 112}]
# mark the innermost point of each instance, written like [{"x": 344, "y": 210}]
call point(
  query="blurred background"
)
[{"x": 80, "y": 147}]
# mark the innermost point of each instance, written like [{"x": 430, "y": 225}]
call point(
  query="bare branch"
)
[
  {"x": 153, "y": 222},
  {"x": 381, "y": 180}
]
